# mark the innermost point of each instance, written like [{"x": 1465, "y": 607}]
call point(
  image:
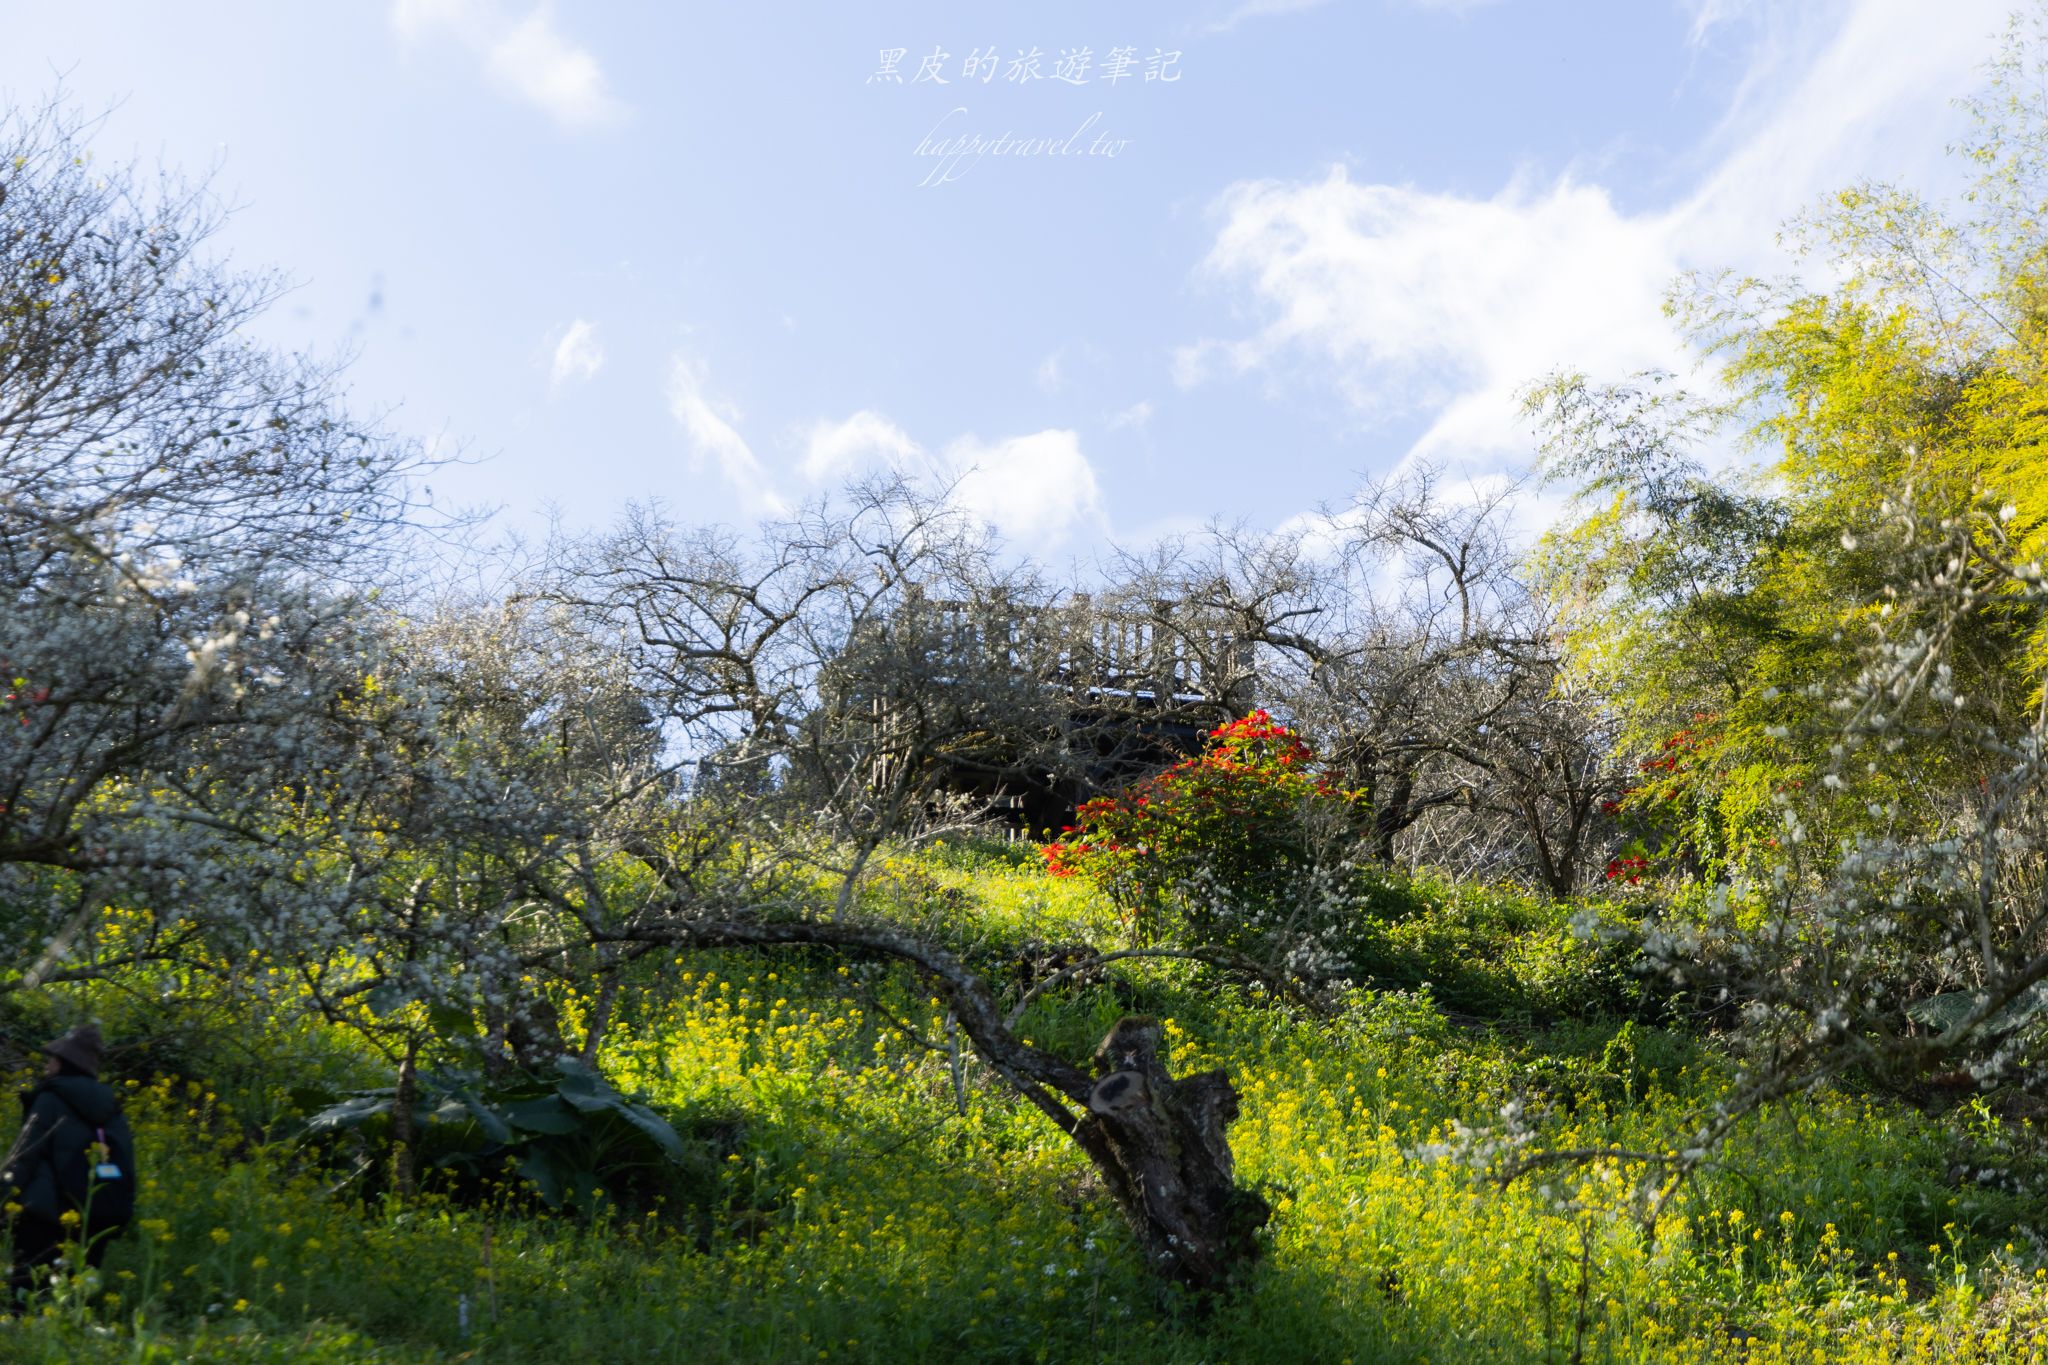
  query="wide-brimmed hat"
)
[{"x": 81, "y": 1047}]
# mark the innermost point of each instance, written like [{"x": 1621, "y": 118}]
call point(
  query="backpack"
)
[{"x": 97, "y": 1176}]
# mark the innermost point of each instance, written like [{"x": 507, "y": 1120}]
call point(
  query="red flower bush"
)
[
  {"x": 1663, "y": 810},
  {"x": 1226, "y": 836}
]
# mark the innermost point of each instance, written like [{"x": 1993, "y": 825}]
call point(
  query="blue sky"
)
[{"x": 683, "y": 251}]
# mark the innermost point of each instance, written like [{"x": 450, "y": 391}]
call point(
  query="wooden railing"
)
[{"x": 1154, "y": 652}]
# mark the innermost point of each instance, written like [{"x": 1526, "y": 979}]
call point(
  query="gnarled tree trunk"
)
[{"x": 1162, "y": 1146}]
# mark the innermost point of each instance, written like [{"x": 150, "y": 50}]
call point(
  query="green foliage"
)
[
  {"x": 570, "y": 1135},
  {"x": 1498, "y": 953},
  {"x": 868, "y": 1217}
]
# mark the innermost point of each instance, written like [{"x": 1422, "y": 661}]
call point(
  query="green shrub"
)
[{"x": 568, "y": 1135}]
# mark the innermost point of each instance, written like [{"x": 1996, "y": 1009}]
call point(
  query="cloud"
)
[
  {"x": 1049, "y": 374},
  {"x": 577, "y": 354},
  {"x": 1133, "y": 418},
  {"x": 709, "y": 429},
  {"x": 1877, "y": 99},
  {"x": 1412, "y": 303},
  {"x": 1708, "y": 15},
  {"x": 1408, "y": 301},
  {"x": 1035, "y": 489},
  {"x": 833, "y": 450},
  {"x": 528, "y": 58}
]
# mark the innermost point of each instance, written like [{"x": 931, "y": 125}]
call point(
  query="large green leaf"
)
[
  {"x": 656, "y": 1128},
  {"x": 542, "y": 1114},
  {"x": 572, "y": 1122},
  {"x": 588, "y": 1091},
  {"x": 583, "y": 1087},
  {"x": 539, "y": 1167}
]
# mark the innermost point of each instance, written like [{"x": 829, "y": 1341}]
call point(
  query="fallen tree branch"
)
[{"x": 1160, "y": 1143}]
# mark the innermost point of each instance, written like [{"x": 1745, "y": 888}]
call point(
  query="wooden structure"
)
[{"x": 1142, "y": 681}]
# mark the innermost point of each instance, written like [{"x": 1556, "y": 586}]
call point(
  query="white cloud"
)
[
  {"x": 1708, "y": 15},
  {"x": 1877, "y": 99},
  {"x": 1414, "y": 302},
  {"x": 1036, "y": 489},
  {"x": 1408, "y": 300},
  {"x": 528, "y": 57},
  {"x": 1133, "y": 418},
  {"x": 833, "y": 450},
  {"x": 1049, "y": 374},
  {"x": 709, "y": 428},
  {"x": 577, "y": 354}
]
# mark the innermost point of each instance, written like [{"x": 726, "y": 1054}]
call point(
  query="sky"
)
[{"x": 1108, "y": 269}]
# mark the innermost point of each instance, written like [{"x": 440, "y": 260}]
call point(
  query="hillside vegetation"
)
[
  {"x": 845, "y": 1201},
  {"x": 1375, "y": 939}
]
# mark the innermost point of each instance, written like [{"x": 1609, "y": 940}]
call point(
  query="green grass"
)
[{"x": 865, "y": 1216}]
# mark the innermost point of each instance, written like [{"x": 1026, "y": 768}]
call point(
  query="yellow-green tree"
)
[{"x": 1719, "y": 606}]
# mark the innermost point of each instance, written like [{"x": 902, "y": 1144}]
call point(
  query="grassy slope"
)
[{"x": 864, "y": 1216}]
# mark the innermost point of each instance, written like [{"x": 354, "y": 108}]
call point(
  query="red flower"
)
[{"x": 1628, "y": 869}]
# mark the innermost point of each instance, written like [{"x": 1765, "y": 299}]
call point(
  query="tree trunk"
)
[
  {"x": 1161, "y": 1145},
  {"x": 600, "y": 1018},
  {"x": 404, "y": 1135},
  {"x": 1390, "y": 816},
  {"x": 1557, "y": 876}
]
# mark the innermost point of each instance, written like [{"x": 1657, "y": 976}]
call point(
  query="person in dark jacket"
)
[{"x": 75, "y": 1155}]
